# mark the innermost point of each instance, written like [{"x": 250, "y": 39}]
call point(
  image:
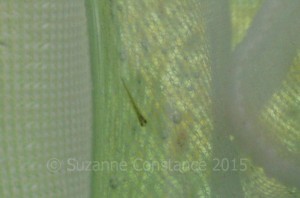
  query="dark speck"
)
[
  {"x": 113, "y": 182},
  {"x": 176, "y": 117}
]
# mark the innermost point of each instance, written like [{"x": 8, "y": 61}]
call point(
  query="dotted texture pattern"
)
[
  {"x": 163, "y": 57},
  {"x": 45, "y": 98}
]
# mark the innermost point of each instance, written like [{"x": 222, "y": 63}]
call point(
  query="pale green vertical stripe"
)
[{"x": 45, "y": 98}]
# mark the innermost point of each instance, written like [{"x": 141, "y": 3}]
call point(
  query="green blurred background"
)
[{"x": 68, "y": 127}]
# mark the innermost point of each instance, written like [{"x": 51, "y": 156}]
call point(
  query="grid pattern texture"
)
[
  {"x": 162, "y": 52},
  {"x": 45, "y": 98}
]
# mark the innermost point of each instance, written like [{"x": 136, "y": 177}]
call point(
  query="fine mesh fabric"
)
[
  {"x": 173, "y": 56},
  {"x": 45, "y": 98},
  {"x": 217, "y": 82}
]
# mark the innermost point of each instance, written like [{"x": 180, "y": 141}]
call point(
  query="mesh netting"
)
[
  {"x": 208, "y": 107},
  {"x": 164, "y": 56},
  {"x": 45, "y": 98}
]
